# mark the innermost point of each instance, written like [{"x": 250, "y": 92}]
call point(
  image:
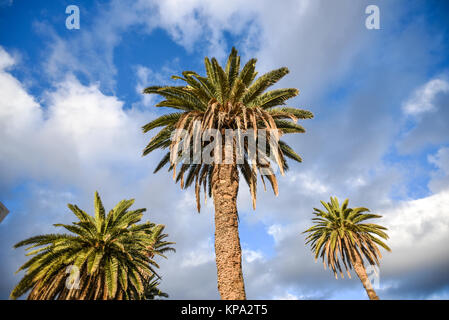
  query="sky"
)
[{"x": 71, "y": 112}]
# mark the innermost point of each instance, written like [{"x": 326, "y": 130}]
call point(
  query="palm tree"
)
[
  {"x": 225, "y": 99},
  {"x": 106, "y": 257},
  {"x": 157, "y": 247},
  {"x": 341, "y": 234},
  {"x": 151, "y": 289}
]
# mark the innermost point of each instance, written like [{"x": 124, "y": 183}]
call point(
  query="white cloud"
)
[
  {"x": 417, "y": 228},
  {"x": 252, "y": 255},
  {"x": 310, "y": 183},
  {"x": 6, "y": 60},
  {"x": 286, "y": 296},
  {"x": 202, "y": 253},
  {"x": 441, "y": 160},
  {"x": 143, "y": 80},
  {"x": 417, "y": 223},
  {"x": 79, "y": 127},
  {"x": 203, "y": 25},
  {"x": 319, "y": 41},
  {"x": 429, "y": 106},
  {"x": 147, "y": 77},
  {"x": 275, "y": 231},
  {"x": 77, "y": 140},
  {"x": 18, "y": 110},
  {"x": 95, "y": 123},
  {"x": 440, "y": 177},
  {"x": 281, "y": 232},
  {"x": 422, "y": 100}
]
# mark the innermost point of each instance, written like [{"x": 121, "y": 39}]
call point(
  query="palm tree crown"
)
[
  {"x": 112, "y": 254},
  {"x": 229, "y": 98},
  {"x": 341, "y": 234}
]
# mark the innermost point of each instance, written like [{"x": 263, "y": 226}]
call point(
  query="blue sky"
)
[{"x": 71, "y": 112}]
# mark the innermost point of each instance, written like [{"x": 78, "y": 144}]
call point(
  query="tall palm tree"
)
[
  {"x": 341, "y": 234},
  {"x": 225, "y": 99},
  {"x": 106, "y": 257}
]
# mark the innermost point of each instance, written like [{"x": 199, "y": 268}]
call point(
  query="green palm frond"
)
[
  {"x": 113, "y": 254},
  {"x": 229, "y": 98},
  {"x": 338, "y": 235}
]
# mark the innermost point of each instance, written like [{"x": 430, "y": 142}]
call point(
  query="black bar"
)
[{"x": 211, "y": 309}]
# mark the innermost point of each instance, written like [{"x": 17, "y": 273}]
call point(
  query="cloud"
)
[
  {"x": 440, "y": 177},
  {"x": 423, "y": 98},
  {"x": 79, "y": 127},
  {"x": 6, "y": 60},
  {"x": 146, "y": 76},
  {"x": 429, "y": 105},
  {"x": 89, "y": 51},
  {"x": 250, "y": 256},
  {"x": 19, "y": 116},
  {"x": 286, "y": 296},
  {"x": 200, "y": 254},
  {"x": 275, "y": 231},
  {"x": 78, "y": 138},
  {"x": 417, "y": 228},
  {"x": 422, "y": 222},
  {"x": 199, "y": 25},
  {"x": 417, "y": 266},
  {"x": 71, "y": 143}
]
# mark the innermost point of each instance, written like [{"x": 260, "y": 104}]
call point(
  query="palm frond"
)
[
  {"x": 339, "y": 237},
  {"x": 113, "y": 255},
  {"x": 229, "y": 98}
]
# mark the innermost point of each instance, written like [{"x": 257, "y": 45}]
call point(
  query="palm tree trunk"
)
[
  {"x": 228, "y": 253},
  {"x": 360, "y": 270}
]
